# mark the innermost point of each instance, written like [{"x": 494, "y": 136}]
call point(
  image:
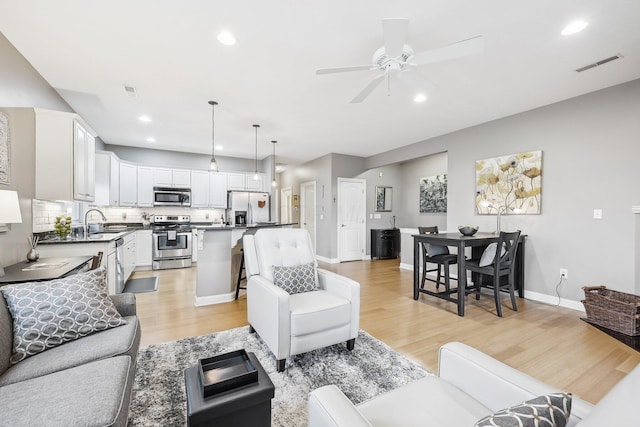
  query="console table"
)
[{"x": 477, "y": 242}]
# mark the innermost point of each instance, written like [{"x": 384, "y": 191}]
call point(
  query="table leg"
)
[
  {"x": 462, "y": 279},
  {"x": 416, "y": 268}
]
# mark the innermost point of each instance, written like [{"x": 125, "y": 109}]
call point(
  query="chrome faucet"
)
[{"x": 86, "y": 224}]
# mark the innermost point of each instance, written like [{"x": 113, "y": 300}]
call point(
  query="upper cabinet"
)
[
  {"x": 65, "y": 157},
  {"x": 168, "y": 177},
  {"x": 128, "y": 184},
  {"x": 218, "y": 190},
  {"x": 199, "y": 189},
  {"x": 107, "y": 179},
  {"x": 239, "y": 181},
  {"x": 145, "y": 186}
]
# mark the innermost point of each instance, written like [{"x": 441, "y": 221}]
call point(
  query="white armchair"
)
[{"x": 301, "y": 322}]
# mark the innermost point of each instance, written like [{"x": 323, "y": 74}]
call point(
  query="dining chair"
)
[
  {"x": 497, "y": 263},
  {"x": 439, "y": 255}
]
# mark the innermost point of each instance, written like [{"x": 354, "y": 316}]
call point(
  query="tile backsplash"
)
[{"x": 45, "y": 212}]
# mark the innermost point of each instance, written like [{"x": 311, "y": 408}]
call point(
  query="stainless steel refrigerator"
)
[{"x": 255, "y": 204}]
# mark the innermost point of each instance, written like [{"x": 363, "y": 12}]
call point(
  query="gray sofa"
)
[{"x": 86, "y": 382}]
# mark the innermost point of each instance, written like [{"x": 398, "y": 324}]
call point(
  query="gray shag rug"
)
[{"x": 372, "y": 368}]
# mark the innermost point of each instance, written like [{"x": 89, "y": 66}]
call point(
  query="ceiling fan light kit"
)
[{"x": 396, "y": 57}]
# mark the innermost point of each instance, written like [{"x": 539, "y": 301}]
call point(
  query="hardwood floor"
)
[{"x": 548, "y": 342}]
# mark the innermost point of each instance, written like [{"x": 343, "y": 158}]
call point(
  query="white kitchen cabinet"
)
[
  {"x": 64, "y": 156},
  {"x": 238, "y": 181},
  {"x": 111, "y": 271},
  {"x": 218, "y": 190},
  {"x": 194, "y": 244},
  {"x": 199, "y": 189},
  {"x": 168, "y": 177},
  {"x": 128, "y": 184},
  {"x": 129, "y": 255},
  {"x": 144, "y": 255},
  {"x": 84, "y": 171},
  {"x": 145, "y": 186},
  {"x": 107, "y": 183}
]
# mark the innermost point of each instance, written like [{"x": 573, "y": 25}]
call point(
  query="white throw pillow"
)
[{"x": 489, "y": 254}]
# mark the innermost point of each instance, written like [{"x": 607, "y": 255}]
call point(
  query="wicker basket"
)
[{"x": 614, "y": 310}]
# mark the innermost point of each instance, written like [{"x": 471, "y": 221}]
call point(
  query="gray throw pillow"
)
[
  {"x": 433, "y": 250},
  {"x": 552, "y": 410},
  {"x": 296, "y": 279},
  {"x": 48, "y": 314},
  {"x": 489, "y": 254}
]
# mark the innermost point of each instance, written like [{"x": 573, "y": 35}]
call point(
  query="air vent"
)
[
  {"x": 130, "y": 91},
  {"x": 601, "y": 62}
]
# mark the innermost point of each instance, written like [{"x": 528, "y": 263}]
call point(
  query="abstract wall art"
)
[
  {"x": 509, "y": 184},
  {"x": 5, "y": 146},
  {"x": 433, "y": 194}
]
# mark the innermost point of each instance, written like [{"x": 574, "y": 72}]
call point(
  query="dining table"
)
[{"x": 478, "y": 242}]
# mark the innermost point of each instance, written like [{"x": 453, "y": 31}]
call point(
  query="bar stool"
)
[{"x": 240, "y": 276}]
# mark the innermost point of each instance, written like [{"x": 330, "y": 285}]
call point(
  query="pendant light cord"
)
[
  {"x": 256, "y": 126},
  {"x": 213, "y": 165}
]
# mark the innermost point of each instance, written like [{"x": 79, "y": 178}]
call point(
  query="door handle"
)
[{"x": 344, "y": 225}]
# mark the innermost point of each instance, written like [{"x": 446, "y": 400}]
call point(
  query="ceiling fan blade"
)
[
  {"x": 343, "y": 69},
  {"x": 394, "y": 31},
  {"x": 368, "y": 89},
  {"x": 459, "y": 49}
]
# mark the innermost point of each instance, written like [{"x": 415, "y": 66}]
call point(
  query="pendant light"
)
[
  {"x": 255, "y": 176},
  {"x": 273, "y": 181},
  {"x": 213, "y": 165}
]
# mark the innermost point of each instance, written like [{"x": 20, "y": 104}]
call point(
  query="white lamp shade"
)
[{"x": 9, "y": 207}]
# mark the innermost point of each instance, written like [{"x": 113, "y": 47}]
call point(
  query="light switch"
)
[
  {"x": 597, "y": 214},
  {"x": 321, "y": 217},
  {"x": 370, "y": 216}
]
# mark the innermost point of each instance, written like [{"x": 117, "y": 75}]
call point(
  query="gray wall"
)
[{"x": 590, "y": 160}]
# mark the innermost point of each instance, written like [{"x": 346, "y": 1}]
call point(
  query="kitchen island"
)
[{"x": 219, "y": 255}]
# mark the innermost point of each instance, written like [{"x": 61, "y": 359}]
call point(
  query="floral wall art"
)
[
  {"x": 509, "y": 184},
  {"x": 433, "y": 194}
]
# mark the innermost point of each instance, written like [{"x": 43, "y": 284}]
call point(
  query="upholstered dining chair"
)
[
  {"x": 439, "y": 255},
  {"x": 497, "y": 263},
  {"x": 294, "y": 306}
]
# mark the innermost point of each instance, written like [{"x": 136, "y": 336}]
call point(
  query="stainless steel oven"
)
[
  {"x": 172, "y": 243},
  {"x": 168, "y": 196}
]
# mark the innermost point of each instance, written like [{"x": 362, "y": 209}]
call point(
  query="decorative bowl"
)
[{"x": 468, "y": 230}]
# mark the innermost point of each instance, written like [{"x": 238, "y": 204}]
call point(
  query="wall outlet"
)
[
  {"x": 597, "y": 214},
  {"x": 564, "y": 273}
]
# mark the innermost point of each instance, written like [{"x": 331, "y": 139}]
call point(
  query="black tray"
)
[{"x": 225, "y": 372}]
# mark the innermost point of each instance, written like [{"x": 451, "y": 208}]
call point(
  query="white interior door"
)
[
  {"x": 308, "y": 209},
  {"x": 351, "y": 219},
  {"x": 285, "y": 205}
]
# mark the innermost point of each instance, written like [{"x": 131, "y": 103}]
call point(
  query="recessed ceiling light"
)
[
  {"x": 151, "y": 139},
  {"x": 145, "y": 119},
  {"x": 421, "y": 97},
  {"x": 226, "y": 38},
  {"x": 574, "y": 27}
]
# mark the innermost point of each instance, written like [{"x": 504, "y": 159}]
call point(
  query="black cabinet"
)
[{"x": 385, "y": 243}]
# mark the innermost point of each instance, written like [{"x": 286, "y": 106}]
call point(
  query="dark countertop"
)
[
  {"x": 244, "y": 227},
  {"x": 43, "y": 269},
  {"x": 94, "y": 238}
]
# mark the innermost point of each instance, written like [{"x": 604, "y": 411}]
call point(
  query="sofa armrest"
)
[
  {"x": 346, "y": 288},
  {"x": 493, "y": 383},
  {"x": 329, "y": 407},
  {"x": 268, "y": 312},
  {"x": 125, "y": 304}
]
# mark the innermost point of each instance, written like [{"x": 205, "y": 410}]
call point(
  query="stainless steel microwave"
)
[{"x": 169, "y": 196}]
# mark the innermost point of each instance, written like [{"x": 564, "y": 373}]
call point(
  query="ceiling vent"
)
[
  {"x": 601, "y": 62},
  {"x": 130, "y": 91}
]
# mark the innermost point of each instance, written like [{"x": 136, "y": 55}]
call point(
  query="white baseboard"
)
[
  {"x": 327, "y": 260},
  {"x": 214, "y": 299},
  {"x": 406, "y": 266},
  {"x": 553, "y": 300}
]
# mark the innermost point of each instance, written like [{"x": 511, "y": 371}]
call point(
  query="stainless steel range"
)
[{"x": 171, "y": 241}]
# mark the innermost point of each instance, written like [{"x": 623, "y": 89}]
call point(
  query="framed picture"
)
[
  {"x": 433, "y": 194},
  {"x": 295, "y": 200},
  {"x": 384, "y": 196},
  {"x": 509, "y": 184}
]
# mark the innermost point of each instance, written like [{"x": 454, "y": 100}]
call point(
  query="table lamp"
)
[{"x": 9, "y": 213}]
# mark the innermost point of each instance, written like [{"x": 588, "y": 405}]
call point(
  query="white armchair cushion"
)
[
  {"x": 315, "y": 311},
  {"x": 282, "y": 247}
]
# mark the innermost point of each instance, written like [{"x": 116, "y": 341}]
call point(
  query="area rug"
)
[
  {"x": 372, "y": 368},
  {"x": 140, "y": 285}
]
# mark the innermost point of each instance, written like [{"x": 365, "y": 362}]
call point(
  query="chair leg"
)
[
  {"x": 240, "y": 278},
  {"x": 478, "y": 286},
  {"x": 496, "y": 294},
  {"x": 439, "y": 276},
  {"x": 351, "y": 344},
  {"x": 281, "y": 363},
  {"x": 424, "y": 275},
  {"x": 251, "y": 329},
  {"x": 447, "y": 279},
  {"x": 514, "y": 304}
]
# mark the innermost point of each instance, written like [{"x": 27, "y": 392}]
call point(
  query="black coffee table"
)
[{"x": 248, "y": 405}]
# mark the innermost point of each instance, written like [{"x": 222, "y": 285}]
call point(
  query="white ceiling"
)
[{"x": 167, "y": 50}]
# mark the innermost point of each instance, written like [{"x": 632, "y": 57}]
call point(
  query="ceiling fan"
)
[{"x": 396, "y": 57}]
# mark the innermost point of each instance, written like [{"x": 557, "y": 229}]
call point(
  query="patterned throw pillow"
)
[
  {"x": 48, "y": 314},
  {"x": 552, "y": 410},
  {"x": 296, "y": 279}
]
